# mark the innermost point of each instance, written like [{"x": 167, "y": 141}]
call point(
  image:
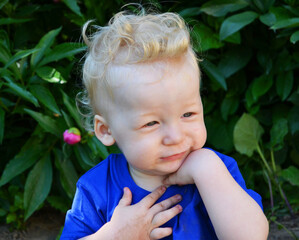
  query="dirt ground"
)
[{"x": 46, "y": 225}]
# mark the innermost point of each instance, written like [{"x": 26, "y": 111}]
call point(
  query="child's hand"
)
[
  {"x": 190, "y": 168},
  {"x": 142, "y": 220}
]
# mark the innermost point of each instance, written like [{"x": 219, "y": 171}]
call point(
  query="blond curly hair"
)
[{"x": 129, "y": 39}]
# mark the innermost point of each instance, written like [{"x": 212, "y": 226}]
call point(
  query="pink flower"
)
[{"x": 72, "y": 136}]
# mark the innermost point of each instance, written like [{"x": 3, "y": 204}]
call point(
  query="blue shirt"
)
[{"x": 100, "y": 189}]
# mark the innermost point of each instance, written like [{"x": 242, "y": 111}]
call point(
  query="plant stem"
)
[
  {"x": 285, "y": 228},
  {"x": 271, "y": 193},
  {"x": 273, "y": 160},
  {"x": 264, "y": 160},
  {"x": 284, "y": 196}
]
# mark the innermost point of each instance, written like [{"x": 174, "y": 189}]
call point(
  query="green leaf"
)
[
  {"x": 268, "y": 19},
  {"x": 219, "y": 8},
  {"x": 44, "y": 44},
  {"x": 205, "y": 38},
  {"x": 70, "y": 105},
  {"x": 20, "y": 91},
  {"x": 278, "y": 131},
  {"x": 45, "y": 97},
  {"x": 4, "y": 54},
  {"x": 2, "y": 124},
  {"x": 294, "y": 37},
  {"x": 291, "y": 174},
  {"x": 38, "y": 185},
  {"x": 213, "y": 72},
  {"x": 6, "y": 21},
  {"x": 47, "y": 123},
  {"x": 247, "y": 134},
  {"x": 284, "y": 84},
  {"x": 293, "y": 119},
  {"x": 190, "y": 12},
  {"x": 62, "y": 51},
  {"x": 235, "y": 23},
  {"x": 228, "y": 107},
  {"x": 21, "y": 162},
  {"x": 97, "y": 148},
  {"x": 68, "y": 174},
  {"x": 50, "y": 75},
  {"x": 261, "y": 85},
  {"x": 83, "y": 157},
  {"x": 2, "y": 3},
  {"x": 19, "y": 55},
  {"x": 234, "y": 60},
  {"x": 286, "y": 23},
  {"x": 72, "y": 4}
]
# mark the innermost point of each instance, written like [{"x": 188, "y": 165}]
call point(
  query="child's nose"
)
[{"x": 173, "y": 135}]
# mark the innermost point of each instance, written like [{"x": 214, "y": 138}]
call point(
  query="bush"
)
[{"x": 250, "y": 93}]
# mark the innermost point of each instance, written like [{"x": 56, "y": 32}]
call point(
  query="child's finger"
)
[
  {"x": 159, "y": 233},
  {"x": 126, "y": 199},
  {"x": 164, "y": 216},
  {"x": 167, "y": 203},
  {"x": 150, "y": 199}
]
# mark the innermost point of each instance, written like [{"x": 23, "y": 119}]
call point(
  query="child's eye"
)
[
  {"x": 188, "y": 114},
  {"x": 150, "y": 124}
]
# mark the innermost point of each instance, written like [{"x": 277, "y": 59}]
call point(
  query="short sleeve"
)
[
  {"x": 84, "y": 218},
  {"x": 233, "y": 168}
]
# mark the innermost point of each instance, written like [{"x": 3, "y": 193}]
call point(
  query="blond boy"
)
[{"x": 143, "y": 81}]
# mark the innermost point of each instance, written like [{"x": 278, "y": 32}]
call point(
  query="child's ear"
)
[{"x": 102, "y": 131}]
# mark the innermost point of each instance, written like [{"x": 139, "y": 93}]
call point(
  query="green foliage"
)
[{"x": 250, "y": 94}]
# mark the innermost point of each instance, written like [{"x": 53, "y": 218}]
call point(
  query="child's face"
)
[{"x": 157, "y": 118}]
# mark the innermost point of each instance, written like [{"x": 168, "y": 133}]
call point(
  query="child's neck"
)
[{"x": 147, "y": 182}]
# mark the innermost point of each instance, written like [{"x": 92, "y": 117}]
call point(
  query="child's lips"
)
[{"x": 174, "y": 156}]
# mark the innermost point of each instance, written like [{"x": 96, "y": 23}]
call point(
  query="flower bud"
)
[{"x": 72, "y": 136}]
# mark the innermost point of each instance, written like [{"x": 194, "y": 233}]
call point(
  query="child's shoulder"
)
[{"x": 227, "y": 160}]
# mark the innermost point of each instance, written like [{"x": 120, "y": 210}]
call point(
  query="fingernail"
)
[
  {"x": 179, "y": 207},
  {"x": 178, "y": 197},
  {"x": 163, "y": 188}
]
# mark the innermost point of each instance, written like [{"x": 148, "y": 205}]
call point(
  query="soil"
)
[{"x": 46, "y": 225}]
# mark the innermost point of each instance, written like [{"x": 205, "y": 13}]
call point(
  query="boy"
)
[{"x": 142, "y": 80}]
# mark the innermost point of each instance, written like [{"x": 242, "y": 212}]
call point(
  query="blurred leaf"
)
[
  {"x": 278, "y": 131},
  {"x": 2, "y": 124},
  {"x": 263, "y": 5},
  {"x": 293, "y": 119},
  {"x": 247, "y": 134},
  {"x": 190, "y": 12},
  {"x": 213, "y": 72},
  {"x": 85, "y": 160},
  {"x": 71, "y": 108},
  {"x": 58, "y": 203},
  {"x": 268, "y": 19},
  {"x": 38, "y": 185},
  {"x": 291, "y": 174},
  {"x": 72, "y": 4},
  {"x": 219, "y": 8},
  {"x": 234, "y": 38},
  {"x": 234, "y": 60},
  {"x": 21, "y": 162},
  {"x": 20, "y": 91},
  {"x": 261, "y": 85},
  {"x": 44, "y": 44},
  {"x": 284, "y": 84},
  {"x": 62, "y": 51},
  {"x": 235, "y": 23},
  {"x": 4, "y": 54},
  {"x": 228, "y": 107},
  {"x": 50, "y": 74},
  {"x": 205, "y": 38},
  {"x": 45, "y": 97},
  {"x": 47, "y": 123},
  {"x": 68, "y": 174},
  {"x": 294, "y": 37},
  {"x": 6, "y": 21},
  {"x": 286, "y": 23},
  {"x": 67, "y": 119},
  {"x": 97, "y": 147},
  {"x": 2, "y": 3},
  {"x": 19, "y": 55}
]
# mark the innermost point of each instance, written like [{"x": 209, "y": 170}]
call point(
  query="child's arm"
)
[
  {"x": 139, "y": 221},
  {"x": 234, "y": 214}
]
